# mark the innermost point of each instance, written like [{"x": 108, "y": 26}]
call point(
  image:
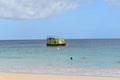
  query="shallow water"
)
[{"x": 100, "y": 57}]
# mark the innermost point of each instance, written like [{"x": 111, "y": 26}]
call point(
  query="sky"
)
[{"x": 69, "y": 19}]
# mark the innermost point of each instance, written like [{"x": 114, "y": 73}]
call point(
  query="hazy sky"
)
[{"x": 35, "y": 19}]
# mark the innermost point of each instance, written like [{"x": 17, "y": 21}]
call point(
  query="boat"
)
[{"x": 52, "y": 41}]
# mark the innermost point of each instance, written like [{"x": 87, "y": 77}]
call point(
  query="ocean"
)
[{"x": 90, "y": 57}]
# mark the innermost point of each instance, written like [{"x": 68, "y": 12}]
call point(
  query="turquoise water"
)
[{"x": 99, "y": 57}]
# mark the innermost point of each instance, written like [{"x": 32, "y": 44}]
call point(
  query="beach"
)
[{"x": 14, "y": 76}]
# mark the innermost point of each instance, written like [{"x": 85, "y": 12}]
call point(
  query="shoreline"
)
[
  {"x": 21, "y": 76},
  {"x": 99, "y": 72}
]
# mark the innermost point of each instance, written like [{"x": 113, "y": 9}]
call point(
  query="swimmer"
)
[
  {"x": 83, "y": 58},
  {"x": 71, "y": 58}
]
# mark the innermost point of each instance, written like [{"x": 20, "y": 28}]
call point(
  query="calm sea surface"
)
[{"x": 91, "y": 57}]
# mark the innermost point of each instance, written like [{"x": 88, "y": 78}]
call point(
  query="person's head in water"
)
[{"x": 71, "y": 58}]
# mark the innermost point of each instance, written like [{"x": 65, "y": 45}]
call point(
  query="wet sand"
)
[{"x": 14, "y": 76}]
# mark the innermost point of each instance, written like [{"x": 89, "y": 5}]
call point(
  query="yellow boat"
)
[{"x": 51, "y": 41}]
